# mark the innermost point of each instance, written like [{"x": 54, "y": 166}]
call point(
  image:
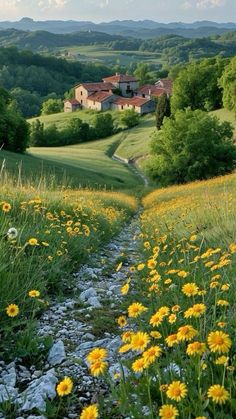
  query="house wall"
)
[
  {"x": 96, "y": 106},
  {"x": 146, "y": 108},
  {"x": 124, "y": 86},
  {"x": 81, "y": 95},
  {"x": 67, "y": 107}
]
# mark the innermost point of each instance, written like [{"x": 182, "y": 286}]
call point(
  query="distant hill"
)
[
  {"x": 140, "y": 29},
  {"x": 40, "y": 39}
]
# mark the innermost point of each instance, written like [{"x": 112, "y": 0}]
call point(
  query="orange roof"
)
[
  {"x": 134, "y": 101},
  {"x": 165, "y": 84},
  {"x": 120, "y": 78},
  {"x": 99, "y": 96},
  {"x": 151, "y": 89},
  {"x": 97, "y": 87}
]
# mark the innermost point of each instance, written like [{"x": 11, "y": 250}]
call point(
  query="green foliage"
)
[
  {"x": 142, "y": 73},
  {"x": 51, "y": 106},
  {"x": 196, "y": 86},
  {"x": 192, "y": 145},
  {"x": 14, "y": 130},
  {"x": 103, "y": 125},
  {"x": 162, "y": 110},
  {"x": 78, "y": 131},
  {"x": 130, "y": 118},
  {"x": 228, "y": 82}
]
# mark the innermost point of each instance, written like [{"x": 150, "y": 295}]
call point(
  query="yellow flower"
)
[
  {"x": 218, "y": 394},
  {"x": 186, "y": 333},
  {"x": 196, "y": 348},
  {"x": 33, "y": 293},
  {"x": 126, "y": 336},
  {"x": 183, "y": 274},
  {"x": 155, "y": 335},
  {"x": 175, "y": 308},
  {"x": 151, "y": 264},
  {"x": 172, "y": 318},
  {"x": 156, "y": 319},
  {"x": 64, "y": 387},
  {"x": 163, "y": 388},
  {"x": 33, "y": 242},
  {"x": 125, "y": 348},
  {"x": 219, "y": 341},
  {"x": 176, "y": 391},
  {"x": 121, "y": 321},
  {"x": 168, "y": 411},
  {"x": 222, "y": 360},
  {"x": 138, "y": 365},
  {"x": 232, "y": 247},
  {"x": 118, "y": 268},
  {"x": 12, "y": 310},
  {"x": 139, "y": 341},
  {"x": 90, "y": 412},
  {"x": 195, "y": 311},
  {"x": 97, "y": 354},
  {"x": 151, "y": 354},
  {"x": 222, "y": 303},
  {"x": 164, "y": 311},
  {"x": 141, "y": 266},
  {"x": 172, "y": 340},
  {"x": 193, "y": 238},
  {"x": 190, "y": 289},
  {"x": 135, "y": 309},
  {"x": 6, "y": 207},
  {"x": 98, "y": 367},
  {"x": 125, "y": 289}
]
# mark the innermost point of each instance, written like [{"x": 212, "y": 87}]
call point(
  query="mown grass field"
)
[
  {"x": 102, "y": 54},
  {"x": 178, "y": 329}
]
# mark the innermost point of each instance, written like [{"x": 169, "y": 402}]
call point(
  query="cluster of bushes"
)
[{"x": 75, "y": 132}]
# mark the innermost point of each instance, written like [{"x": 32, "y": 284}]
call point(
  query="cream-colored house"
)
[
  {"x": 71, "y": 105},
  {"x": 100, "y": 101},
  {"x": 125, "y": 83},
  {"x": 104, "y": 95},
  {"x": 139, "y": 105},
  {"x": 84, "y": 90}
]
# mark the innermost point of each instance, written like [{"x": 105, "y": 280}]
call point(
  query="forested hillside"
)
[{"x": 32, "y": 78}]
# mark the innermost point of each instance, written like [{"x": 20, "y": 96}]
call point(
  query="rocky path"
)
[{"x": 79, "y": 322}]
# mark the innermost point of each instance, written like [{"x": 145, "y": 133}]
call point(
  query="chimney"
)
[
  {"x": 149, "y": 92},
  {"x": 117, "y": 74}
]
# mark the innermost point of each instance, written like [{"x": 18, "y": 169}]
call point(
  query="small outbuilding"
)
[{"x": 71, "y": 105}]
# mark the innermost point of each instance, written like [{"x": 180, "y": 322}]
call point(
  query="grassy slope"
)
[
  {"x": 225, "y": 115},
  {"x": 86, "y": 164},
  {"x": 63, "y": 118}
]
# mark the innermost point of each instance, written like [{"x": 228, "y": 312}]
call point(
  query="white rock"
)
[
  {"x": 41, "y": 389},
  {"x": 94, "y": 302},
  {"x": 89, "y": 293},
  {"x": 7, "y": 393},
  {"x": 57, "y": 353}
]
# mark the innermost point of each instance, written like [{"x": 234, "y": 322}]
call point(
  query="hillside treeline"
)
[{"x": 32, "y": 78}]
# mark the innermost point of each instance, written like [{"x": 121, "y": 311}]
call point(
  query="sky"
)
[{"x": 107, "y": 10}]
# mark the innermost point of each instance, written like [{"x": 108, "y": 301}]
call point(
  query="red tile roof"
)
[
  {"x": 166, "y": 84},
  {"x": 150, "y": 89},
  {"x": 97, "y": 87},
  {"x": 134, "y": 101},
  {"x": 99, "y": 96},
  {"x": 120, "y": 78},
  {"x": 72, "y": 101}
]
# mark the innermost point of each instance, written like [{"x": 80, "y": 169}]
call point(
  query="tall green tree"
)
[
  {"x": 142, "y": 73},
  {"x": 228, "y": 82},
  {"x": 192, "y": 145},
  {"x": 196, "y": 86},
  {"x": 162, "y": 110}
]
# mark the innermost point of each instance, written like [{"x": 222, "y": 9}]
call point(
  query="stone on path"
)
[{"x": 57, "y": 353}]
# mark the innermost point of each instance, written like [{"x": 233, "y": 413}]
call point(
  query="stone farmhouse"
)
[{"x": 119, "y": 92}]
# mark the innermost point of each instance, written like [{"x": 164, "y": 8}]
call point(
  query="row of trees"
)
[
  {"x": 191, "y": 143},
  {"x": 78, "y": 131}
]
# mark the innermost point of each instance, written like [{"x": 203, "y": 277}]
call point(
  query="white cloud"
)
[
  {"x": 205, "y": 4},
  {"x": 49, "y": 4}
]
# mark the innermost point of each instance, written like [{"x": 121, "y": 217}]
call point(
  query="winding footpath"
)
[{"x": 81, "y": 321}]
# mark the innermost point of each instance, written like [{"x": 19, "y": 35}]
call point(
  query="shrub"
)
[{"x": 190, "y": 146}]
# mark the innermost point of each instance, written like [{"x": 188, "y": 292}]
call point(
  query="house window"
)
[
  {"x": 143, "y": 95},
  {"x": 122, "y": 107},
  {"x": 81, "y": 102},
  {"x": 81, "y": 93},
  {"x": 94, "y": 102}
]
